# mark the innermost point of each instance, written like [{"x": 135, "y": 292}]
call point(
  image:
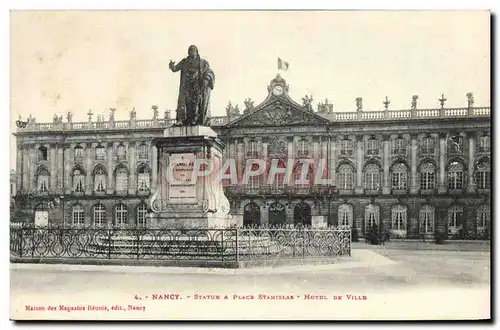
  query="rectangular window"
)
[
  {"x": 302, "y": 148},
  {"x": 121, "y": 152},
  {"x": 100, "y": 153},
  {"x": 372, "y": 147},
  {"x": 78, "y": 217},
  {"x": 346, "y": 148},
  {"x": 78, "y": 154},
  {"x": 484, "y": 144},
  {"x": 253, "y": 182},
  {"x": 252, "y": 150},
  {"x": 399, "y": 146},
  {"x": 143, "y": 152}
]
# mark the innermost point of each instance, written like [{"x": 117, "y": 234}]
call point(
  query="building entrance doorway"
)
[
  {"x": 302, "y": 215},
  {"x": 277, "y": 214},
  {"x": 41, "y": 216},
  {"x": 251, "y": 215}
]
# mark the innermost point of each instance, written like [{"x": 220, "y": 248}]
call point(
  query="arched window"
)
[
  {"x": 78, "y": 180},
  {"x": 455, "y": 217},
  {"x": 399, "y": 176},
  {"x": 372, "y": 216},
  {"x": 142, "y": 215},
  {"x": 483, "y": 175},
  {"x": 372, "y": 177},
  {"x": 346, "y": 148},
  {"x": 100, "y": 152},
  {"x": 483, "y": 217},
  {"x": 143, "y": 175},
  {"x": 426, "y": 224},
  {"x": 99, "y": 215},
  {"x": 345, "y": 215},
  {"x": 77, "y": 215},
  {"x": 143, "y": 152},
  {"x": 42, "y": 179},
  {"x": 121, "y": 215},
  {"x": 99, "y": 179},
  {"x": 78, "y": 154},
  {"x": 399, "y": 146},
  {"x": 121, "y": 152},
  {"x": 398, "y": 216},
  {"x": 456, "y": 176},
  {"x": 427, "y": 176},
  {"x": 42, "y": 154},
  {"x": 345, "y": 177},
  {"x": 302, "y": 148},
  {"x": 427, "y": 146},
  {"x": 121, "y": 180},
  {"x": 372, "y": 146}
]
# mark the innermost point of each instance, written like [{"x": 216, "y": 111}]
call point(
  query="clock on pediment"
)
[
  {"x": 278, "y": 86},
  {"x": 278, "y": 90}
]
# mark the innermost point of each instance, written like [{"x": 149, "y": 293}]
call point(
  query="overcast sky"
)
[{"x": 95, "y": 60}]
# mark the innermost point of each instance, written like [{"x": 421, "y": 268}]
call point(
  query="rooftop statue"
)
[{"x": 196, "y": 83}]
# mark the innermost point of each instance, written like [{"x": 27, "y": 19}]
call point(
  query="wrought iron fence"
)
[{"x": 215, "y": 244}]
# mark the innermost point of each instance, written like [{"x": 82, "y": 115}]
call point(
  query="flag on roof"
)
[{"x": 283, "y": 65}]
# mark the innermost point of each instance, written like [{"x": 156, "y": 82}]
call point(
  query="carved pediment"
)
[{"x": 280, "y": 113}]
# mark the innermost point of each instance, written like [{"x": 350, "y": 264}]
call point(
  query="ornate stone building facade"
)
[{"x": 412, "y": 170}]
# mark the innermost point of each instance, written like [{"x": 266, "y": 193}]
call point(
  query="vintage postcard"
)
[{"x": 250, "y": 165}]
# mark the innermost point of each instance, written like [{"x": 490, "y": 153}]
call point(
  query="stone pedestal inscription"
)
[
  {"x": 182, "y": 187},
  {"x": 184, "y": 197}
]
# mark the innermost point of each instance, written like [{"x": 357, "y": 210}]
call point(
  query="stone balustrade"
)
[{"x": 358, "y": 116}]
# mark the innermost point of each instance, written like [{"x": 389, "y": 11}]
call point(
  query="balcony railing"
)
[
  {"x": 241, "y": 190},
  {"x": 358, "y": 116}
]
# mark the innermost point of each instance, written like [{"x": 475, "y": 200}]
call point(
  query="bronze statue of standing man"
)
[{"x": 197, "y": 81}]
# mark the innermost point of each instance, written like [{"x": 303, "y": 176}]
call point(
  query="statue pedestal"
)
[{"x": 189, "y": 192}]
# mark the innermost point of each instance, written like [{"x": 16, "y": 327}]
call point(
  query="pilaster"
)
[
  {"x": 442, "y": 163},
  {"x": 110, "y": 168},
  {"x": 471, "y": 184},
  {"x": 386, "y": 189},
  {"x": 414, "y": 186},
  {"x": 89, "y": 148},
  {"x": 132, "y": 157},
  {"x": 154, "y": 166},
  {"x": 359, "y": 165}
]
